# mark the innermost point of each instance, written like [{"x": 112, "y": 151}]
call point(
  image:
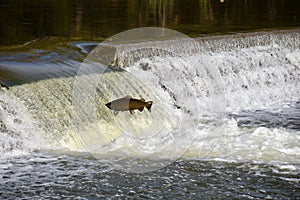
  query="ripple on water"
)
[{"x": 44, "y": 175}]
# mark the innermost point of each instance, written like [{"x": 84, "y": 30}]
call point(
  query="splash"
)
[{"x": 256, "y": 71}]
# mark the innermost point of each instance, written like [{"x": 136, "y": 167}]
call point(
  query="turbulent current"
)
[{"x": 232, "y": 99}]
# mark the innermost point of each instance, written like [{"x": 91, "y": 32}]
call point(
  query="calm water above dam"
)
[
  {"x": 24, "y": 20},
  {"x": 225, "y": 119}
]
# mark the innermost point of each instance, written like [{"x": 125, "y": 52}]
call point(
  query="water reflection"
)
[{"x": 24, "y": 20}]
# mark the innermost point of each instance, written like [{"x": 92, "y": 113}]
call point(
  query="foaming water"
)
[
  {"x": 19, "y": 133},
  {"x": 208, "y": 79},
  {"x": 72, "y": 176}
]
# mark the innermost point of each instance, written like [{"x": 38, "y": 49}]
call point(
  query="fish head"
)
[{"x": 122, "y": 104}]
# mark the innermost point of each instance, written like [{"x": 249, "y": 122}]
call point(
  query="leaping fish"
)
[{"x": 130, "y": 104}]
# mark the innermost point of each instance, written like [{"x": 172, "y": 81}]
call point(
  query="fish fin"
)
[
  {"x": 115, "y": 113},
  {"x": 148, "y": 106},
  {"x": 127, "y": 97},
  {"x": 131, "y": 111},
  {"x": 141, "y": 109},
  {"x": 142, "y": 99}
]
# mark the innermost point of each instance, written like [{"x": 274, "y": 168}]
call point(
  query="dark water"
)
[
  {"x": 25, "y": 20},
  {"x": 45, "y": 176},
  {"x": 287, "y": 117}
]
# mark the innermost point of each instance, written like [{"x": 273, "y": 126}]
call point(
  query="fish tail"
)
[
  {"x": 108, "y": 105},
  {"x": 149, "y": 104}
]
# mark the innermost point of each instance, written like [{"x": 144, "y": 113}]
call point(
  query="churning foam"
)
[{"x": 249, "y": 77}]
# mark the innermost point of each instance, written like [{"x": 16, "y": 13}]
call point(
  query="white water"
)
[
  {"x": 191, "y": 100},
  {"x": 253, "y": 78},
  {"x": 19, "y": 133}
]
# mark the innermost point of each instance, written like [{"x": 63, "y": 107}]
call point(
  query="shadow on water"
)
[{"x": 24, "y": 20}]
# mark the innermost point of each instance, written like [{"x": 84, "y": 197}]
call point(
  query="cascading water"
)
[{"x": 240, "y": 73}]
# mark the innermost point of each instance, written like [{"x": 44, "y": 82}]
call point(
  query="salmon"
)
[{"x": 129, "y": 104}]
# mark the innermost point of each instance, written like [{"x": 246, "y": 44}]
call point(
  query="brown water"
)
[{"x": 25, "y": 20}]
